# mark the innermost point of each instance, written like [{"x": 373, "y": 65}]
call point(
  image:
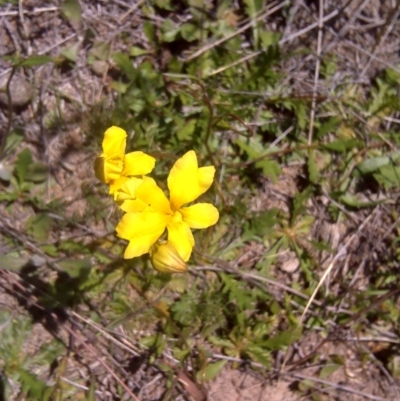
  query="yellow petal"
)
[
  {"x": 150, "y": 193},
  {"x": 141, "y": 230},
  {"x": 182, "y": 180},
  {"x": 108, "y": 169},
  {"x": 138, "y": 163},
  {"x": 114, "y": 141},
  {"x": 116, "y": 184},
  {"x": 125, "y": 188},
  {"x": 180, "y": 236},
  {"x": 201, "y": 215},
  {"x": 166, "y": 259},
  {"x": 186, "y": 182},
  {"x": 134, "y": 206},
  {"x": 112, "y": 168},
  {"x": 109, "y": 166},
  {"x": 206, "y": 177}
]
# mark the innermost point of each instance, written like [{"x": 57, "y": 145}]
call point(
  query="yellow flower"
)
[
  {"x": 166, "y": 259},
  {"x": 127, "y": 189},
  {"x": 113, "y": 166},
  {"x": 151, "y": 212}
]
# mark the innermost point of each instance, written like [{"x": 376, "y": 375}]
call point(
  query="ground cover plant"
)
[{"x": 289, "y": 111}]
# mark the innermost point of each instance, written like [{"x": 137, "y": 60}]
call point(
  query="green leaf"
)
[
  {"x": 211, "y": 371},
  {"x": 328, "y": 126},
  {"x": 39, "y": 226},
  {"x": 342, "y": 145},
  {"x": 169, "y": 31},
  {"x": 138, "y": 51},
  {"x": 389, "y": 176},
  {"x": 76, "y": 268},
  {"x": 180, "y": 354},
  {"x": 250, "y": 148},
  {"x": 71, "y": 9},
  {"x": 164, "y": 4},
  {"x": 196, "y": 3},
  {"x": 8, "y": 196},
  {"x": 300, "y": 110},
  {"x": 148, "y": 29},
  {"x": 259, "y": 354},
  {"x": 178, "y": 284},
  {"x": 22, "y": 165},
  {"x": 252, "y": 9},
  {"x": 186, "y": 132},
  {"x": 270, "y": 168},
  {"x": 299, "y": 202},
  {"x": 37, "y": 172},
  {"x": 72, "y": 246},
  {"x": 33, "y": 61},
  {"x": 313, "y": 173},
  {"x": 50, "y": 250},
  {"x": 329, "y": 66},
  {"x": 125, "y": 64},
  {"x": 328, "y": 369},
  {"x": 383, "y": 95},
  {"x": 8, "y": 2},
  {"x": 31, "y": 384},
  {"x": 305, "y": 385},
  {"x": 91, "y": 393},
  {"x": 358, "y": 201},
  {"x": 13, "y": 140},
  {"x": 13, "y": 263},
  {"x": 119, "y": 87},
  {"x": 283, "y": 339},
  {"x": 99, "y": 51},
  {"x": 71, "y": 52},
  {"x": 220, "y": 342},
  {"x": 149, "y": 341},
  {"x": 190, "y": 32},
  {"x": 269, "y": 38},
  {"x": 48, "y": 393},
  {"x": 393, "y": 76},
  {"x": 262, "y": 224},
  {"x": 373, "y": 164}
]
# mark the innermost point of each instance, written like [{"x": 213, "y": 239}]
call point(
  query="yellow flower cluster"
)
[{"x": 148, "y": 212}]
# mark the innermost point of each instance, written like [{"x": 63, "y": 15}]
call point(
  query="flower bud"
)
[
  {"x": 99, "y": 169},
  {"x": 165, "y": 258}
]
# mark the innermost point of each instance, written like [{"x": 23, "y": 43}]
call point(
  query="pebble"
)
[{"x": 20, "y": 89}]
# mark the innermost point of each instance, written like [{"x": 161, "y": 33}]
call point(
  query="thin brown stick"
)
[{"x": 338, "y": 387}]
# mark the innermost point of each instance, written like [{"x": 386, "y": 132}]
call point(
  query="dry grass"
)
[{"x": 70, "y": 103}]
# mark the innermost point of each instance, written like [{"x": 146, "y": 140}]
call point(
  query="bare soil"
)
[{"x": 364, "y": 37}]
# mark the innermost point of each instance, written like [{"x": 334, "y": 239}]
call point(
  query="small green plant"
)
[{"x": 301, "y": 247}]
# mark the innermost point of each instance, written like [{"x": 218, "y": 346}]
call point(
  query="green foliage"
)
[
  {"x": 22, "y": 165},
  {"x": 34, "y": 61},
  {"x": 71, "y": 52},
  {"x": 187, "y": 87},
  {"x": 210, "y": 371},
  {"x": 16, "y": 362},
  {"x": 13, "y": 262},
  {"x": 388, "y": 176},
  {"x": 28, "y": 171},
  {"x": 72, "y": 11}
]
